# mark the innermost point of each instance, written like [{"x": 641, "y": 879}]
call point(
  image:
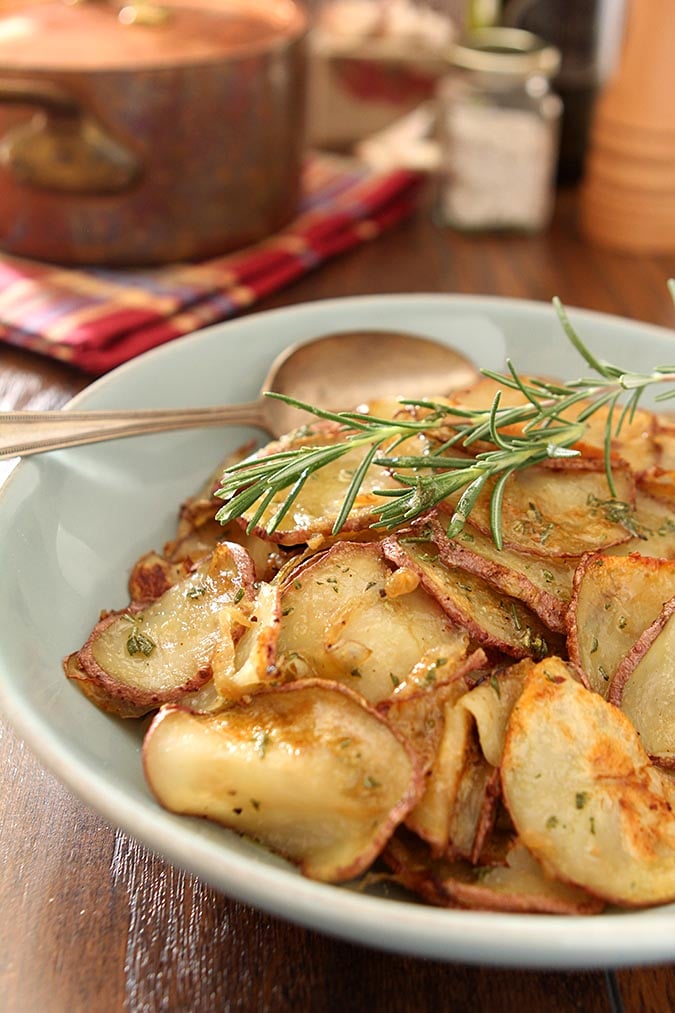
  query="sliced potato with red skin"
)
[
  {"x": 615, "y": 599},
  {"x": 664, "y": 438},
  {"x": 456, "y": 812},
  {"x": 560, "y": 508},
  {"x": 152, "y": 575},
  {"x": 473, "y": 809},
  {"x": 644, "y": 687},
  {"x": 418, "y": 711},
  {"x": 518, "y": 884},
  {"x": 315, "y": 510},
  {"x": 659, "y": 483},
  {"x": 101, "y": 699},
  {"x": 490, "y": 704},
  {"x": 430, "y": 819},
  {"x": 491, "y": 618},
  {"x": 146, "y": 656},
  {"x": 635, "y": 442},
  {"x": 344, "y": 618},
  {"x": 583, "y": 795},
  {"x": 544, "y": 584},
  {"x": 193, "y": 546},
  {"x": 654, "y": 523},
  {"x": 308, "y": 769}
]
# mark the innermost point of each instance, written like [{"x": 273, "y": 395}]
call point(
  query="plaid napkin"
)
[{"x": 97, "y": 318}]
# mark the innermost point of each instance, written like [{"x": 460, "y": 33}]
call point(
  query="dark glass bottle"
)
[{"x": 572, "y": 27}]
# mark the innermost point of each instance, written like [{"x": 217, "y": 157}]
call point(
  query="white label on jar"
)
[{"x": 499, "y": 165}]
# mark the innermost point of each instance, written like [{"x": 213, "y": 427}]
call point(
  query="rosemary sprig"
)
[{"x": 426, "y": 479}]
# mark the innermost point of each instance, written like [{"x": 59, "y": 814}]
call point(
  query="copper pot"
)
[{"x": 145, "y": 134}]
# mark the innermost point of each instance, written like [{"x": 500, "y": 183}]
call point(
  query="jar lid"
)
[
  {"x": 85, "y": 35},
  {"x": 505, "y": 51}
]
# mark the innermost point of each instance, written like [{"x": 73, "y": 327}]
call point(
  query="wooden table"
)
[{"x": 90, "y": 920}]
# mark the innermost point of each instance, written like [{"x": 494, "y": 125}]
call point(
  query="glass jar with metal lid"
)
[{"x": 499, "y": 132}]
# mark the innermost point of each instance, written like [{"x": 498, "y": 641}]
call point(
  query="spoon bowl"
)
[{"x": 334, "y": 372}]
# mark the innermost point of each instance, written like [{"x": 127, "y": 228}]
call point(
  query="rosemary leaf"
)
[{"x": 545, "y": 429}]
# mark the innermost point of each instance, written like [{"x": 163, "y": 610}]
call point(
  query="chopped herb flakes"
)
[
  {"x": 615, "y": 511},
  {"x": 139, "y": 643}
]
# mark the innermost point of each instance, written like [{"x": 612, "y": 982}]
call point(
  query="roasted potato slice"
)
[
  {"x": 148, "y": 656},
  {"x": 518, "y": 884},
  {"x": 98, "y": 696},
  {"x": 644, "y": 687},
  {"x": 491, "y": 702},
  {"x": 418, "y": 711},
  {"x": 654, "y": 523},
  {"x": 544, "y": 584},
  {"x": 457, "y": 809},
  {"x": 431, "y": 817},
  {"x": 560, "y": 509},
  {"x": 583, "y": 795},
  {"x": 309, "y": 769},
  {"x": 346, "y": 616},
  {"x": 635, "y": 442},
  {"x": 664, "y": 438},
  {"x": 659, "y": 483},
  {"x": 473, "y": 812},
  {"x": 315, "y": 510},
  {"x": 491, "y": 618},
  {"x": 152, "y": 575},
  {"x": 615, "y": 598}
]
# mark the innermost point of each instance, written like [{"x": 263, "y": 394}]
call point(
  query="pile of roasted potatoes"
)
[{"x": 495, "y": 729}]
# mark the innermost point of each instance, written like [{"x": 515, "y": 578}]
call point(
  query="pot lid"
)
[{"x": 108, "y": 35}]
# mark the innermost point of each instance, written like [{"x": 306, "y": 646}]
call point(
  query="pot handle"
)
[{"x": 62, "y": 147}]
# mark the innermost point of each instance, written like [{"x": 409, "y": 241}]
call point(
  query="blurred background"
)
[
  {"x": 106, "y": 108},
  {"x": 257, "y": 139}
]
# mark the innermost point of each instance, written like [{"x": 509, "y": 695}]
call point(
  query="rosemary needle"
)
[{"x": 426, "y": 479}]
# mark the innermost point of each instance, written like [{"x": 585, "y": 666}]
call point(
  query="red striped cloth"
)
[{"x": 97, "y": 318}]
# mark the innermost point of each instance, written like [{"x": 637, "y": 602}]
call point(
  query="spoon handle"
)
[{"x": 26, "y": 432}]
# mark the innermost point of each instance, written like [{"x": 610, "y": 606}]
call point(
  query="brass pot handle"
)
[{"x": 62, "y": 147}]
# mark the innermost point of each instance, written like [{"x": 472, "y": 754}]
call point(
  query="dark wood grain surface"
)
[{"x": 90, "y": 920}]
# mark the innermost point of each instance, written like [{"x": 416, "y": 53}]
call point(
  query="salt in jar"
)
[{"x": 499, "y": 132}]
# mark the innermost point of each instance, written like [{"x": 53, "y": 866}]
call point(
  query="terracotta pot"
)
[{"x": 176, "y": 136}]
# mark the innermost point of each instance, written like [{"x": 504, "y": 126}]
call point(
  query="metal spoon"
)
[{"x": 337, "y": 371}]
